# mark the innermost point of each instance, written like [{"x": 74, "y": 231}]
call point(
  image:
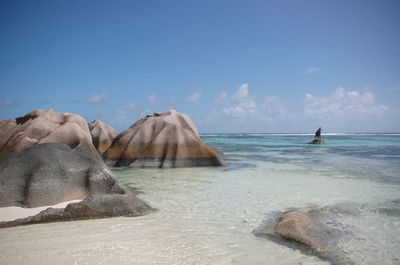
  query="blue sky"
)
[{"x": 233, "y": 66}]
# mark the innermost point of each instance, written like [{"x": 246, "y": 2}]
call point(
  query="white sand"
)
[{"x": 14, "y": 212}]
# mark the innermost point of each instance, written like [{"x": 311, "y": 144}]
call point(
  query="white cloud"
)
[
  {"x": 97, "y": 98},
  {"x": 244, "y": 104},
  {"x": 6, "y": 103},
  {"x": 243, "y": 92},
  {"x": 195, "y": 97},
  {"x": 342, "y": 103},
  {"x": 222, "y": 98},
  {"x": 311, "y": 70},
  {"x": 340, "y": 111},
  {"x": 152, "y": 99},
  {"x": 350, "y": 111},
  {"x": 273, "y": 114},
  {"x": 129, "y": 114}
]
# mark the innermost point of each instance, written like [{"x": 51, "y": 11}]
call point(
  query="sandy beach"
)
[
  {"x": 13, "y": 212},
  {"x": 207, "y": 215}
]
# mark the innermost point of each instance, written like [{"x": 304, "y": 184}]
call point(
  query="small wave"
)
[{"x": 295, "y": 134}]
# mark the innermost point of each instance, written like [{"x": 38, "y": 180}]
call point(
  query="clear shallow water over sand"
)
[{"x": 206, "y": 215}]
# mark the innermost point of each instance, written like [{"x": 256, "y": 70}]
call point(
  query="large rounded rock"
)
[
  {"x": 51, "y": 173},
  {"x": 169, "y": 139},
  {"x": 102, "y": 135},
  {"x": 43, "y": 126}
]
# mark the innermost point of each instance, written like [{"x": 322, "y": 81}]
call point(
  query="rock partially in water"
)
[
  {"x": 162, "y": 140},
  {"x": 315, "y": 141},
  {"x": 390, "y": 208},
  {"x": 312, "y": 232},
  {"x": 51, "y": 173},
  {"x": 93, "y": 206},
  {"x": 102, "y": 135},
  {"x": 298, "y": 226},
  {"x": 43, "y": 126}
]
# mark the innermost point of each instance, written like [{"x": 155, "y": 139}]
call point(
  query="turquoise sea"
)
[{"x": 207, "y": 215}]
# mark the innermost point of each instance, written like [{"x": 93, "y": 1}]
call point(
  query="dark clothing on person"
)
[{"x": 318, "y": 134}]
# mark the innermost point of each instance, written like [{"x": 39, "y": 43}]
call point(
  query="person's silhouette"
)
[{"x": 318, "y": 134}]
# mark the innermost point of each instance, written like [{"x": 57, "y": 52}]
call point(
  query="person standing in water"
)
[{"x": 318, "y": 134}]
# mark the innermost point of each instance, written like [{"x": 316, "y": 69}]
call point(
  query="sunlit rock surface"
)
[
  {"x": 315, "y": 232},
  {"x": 167, "y": 139},
  {"x": 102, "y": 135},
  {"x": 43, "y": 126}
]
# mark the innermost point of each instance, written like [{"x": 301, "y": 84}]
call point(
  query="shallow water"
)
[{"x": 206, "y": 215}]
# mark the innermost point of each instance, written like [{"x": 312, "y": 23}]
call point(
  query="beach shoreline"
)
[{"x": 12, "y": 213}]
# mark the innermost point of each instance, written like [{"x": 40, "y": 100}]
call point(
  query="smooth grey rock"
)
[
  {"x": 93, "y": 206},
  {"x": 51, "y": 173}
]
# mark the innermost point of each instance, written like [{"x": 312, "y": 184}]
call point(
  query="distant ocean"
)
[{"x": 206, "y": 215}]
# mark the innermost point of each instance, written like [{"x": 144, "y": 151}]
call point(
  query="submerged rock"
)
[
  {"x": 102, "y": 135},
  {"x": 298, "y": 226},
  {"x": 169, "y": 139},
  {"x": 43, "y": 126},
  {"x": 317, "y": 142},
  {"x": 312, "y": 232},
  {"x": 51, "y": 173}
]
